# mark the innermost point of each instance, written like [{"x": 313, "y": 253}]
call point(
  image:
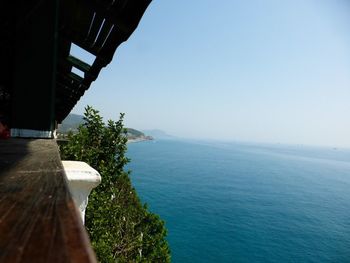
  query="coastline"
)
[{"x": 140, "y": 139}]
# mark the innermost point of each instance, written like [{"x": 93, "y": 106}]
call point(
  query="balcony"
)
[{"x": 39, "y": 221}]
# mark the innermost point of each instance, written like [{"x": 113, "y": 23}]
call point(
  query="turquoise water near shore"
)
[{"x": 232, "y": 202}]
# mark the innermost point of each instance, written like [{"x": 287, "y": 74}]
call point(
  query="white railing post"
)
[{"x": 82, "y": 178}]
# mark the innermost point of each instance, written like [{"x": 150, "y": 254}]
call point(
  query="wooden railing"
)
[{"x": 38, "y": 219}]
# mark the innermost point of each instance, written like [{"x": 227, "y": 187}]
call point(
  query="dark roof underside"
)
[{"x": 97, "y": 26}]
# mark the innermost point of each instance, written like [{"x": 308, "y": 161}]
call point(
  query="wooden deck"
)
[{"x": 38, "y": 219}]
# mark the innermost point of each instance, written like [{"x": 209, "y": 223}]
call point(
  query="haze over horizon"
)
[{"x": 264, "y": 71}]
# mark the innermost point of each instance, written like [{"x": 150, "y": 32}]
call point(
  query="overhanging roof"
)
[{"x": 97, "y": 26}]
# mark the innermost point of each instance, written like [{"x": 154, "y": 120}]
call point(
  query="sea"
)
[{"x": 246, "y": 202}]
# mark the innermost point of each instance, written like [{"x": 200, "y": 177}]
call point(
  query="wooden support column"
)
[{"x": 34, "y": 68}]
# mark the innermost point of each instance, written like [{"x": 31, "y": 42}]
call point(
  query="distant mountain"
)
[
  {"x": 159, "y": 134},
  {"x": 72, "y": 122},
  {"x": 135, "y": 135}
]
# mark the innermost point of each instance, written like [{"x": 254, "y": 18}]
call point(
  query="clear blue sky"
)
[{"x": 266, "y": 71}]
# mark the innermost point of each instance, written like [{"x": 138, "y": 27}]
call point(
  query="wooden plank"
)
[
  {"x": 75, "y": 78},
  {"x": 81, "y": 17},
  {"x": 104, "y": 33},
  {"x": 78, "y": 63},
  {"x": 38, "y": 219},
  {"x": 94, "y": 29}
]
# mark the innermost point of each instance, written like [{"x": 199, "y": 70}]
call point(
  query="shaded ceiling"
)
[{"x": 97, "y": 26}]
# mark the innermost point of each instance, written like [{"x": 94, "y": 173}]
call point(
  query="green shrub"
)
[{"x": 121, "y": 229}]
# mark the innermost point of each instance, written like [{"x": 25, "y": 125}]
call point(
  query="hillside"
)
[
  {"x": 72, "y": 122},
  {"x": 159, "y": 134}
]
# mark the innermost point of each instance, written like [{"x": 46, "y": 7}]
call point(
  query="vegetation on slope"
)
[
  {"x": 73, "y": 121},
  {"x": 121, "y": 229}
]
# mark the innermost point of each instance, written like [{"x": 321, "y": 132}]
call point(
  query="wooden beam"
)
[
  {"x": 78, "y": 63},
  {"x": 34, "y": 62},
  {"x": 38, "y": 219}
]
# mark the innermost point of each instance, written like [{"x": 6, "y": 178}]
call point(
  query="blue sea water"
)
[{"x": 231, "y": 202}]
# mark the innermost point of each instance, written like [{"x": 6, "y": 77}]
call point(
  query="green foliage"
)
[{"x": 121, "y": 229}]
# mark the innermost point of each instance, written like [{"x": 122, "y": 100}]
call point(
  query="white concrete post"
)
[{"x": 82, "y": 178}]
